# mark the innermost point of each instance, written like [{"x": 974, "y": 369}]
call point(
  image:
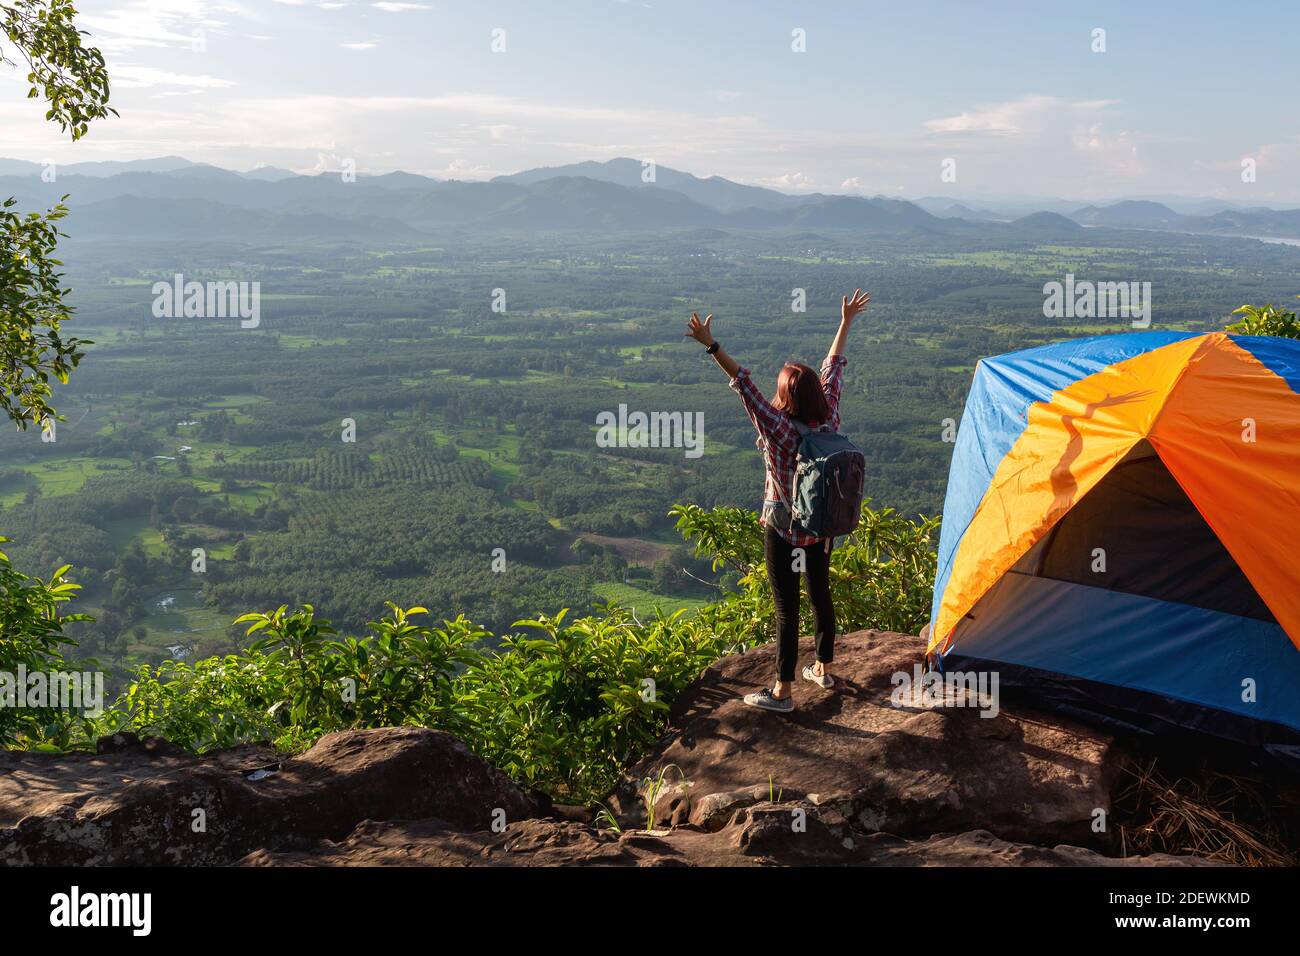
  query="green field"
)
[
  {"x": 477, "y": 430},
  {"x": 645, "y": 603}
]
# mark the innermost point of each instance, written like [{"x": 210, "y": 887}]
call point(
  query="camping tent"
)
[{"x": 1122, "y": 532}]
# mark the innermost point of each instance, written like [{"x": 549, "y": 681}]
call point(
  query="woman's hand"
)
[
  {"x": 701, "y": 332},
  {"x": 851, "y": 307},
  {"x": 848, "y": 309}
]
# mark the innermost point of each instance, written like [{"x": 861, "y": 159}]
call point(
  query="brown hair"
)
[{"x": 799, "y": 394}]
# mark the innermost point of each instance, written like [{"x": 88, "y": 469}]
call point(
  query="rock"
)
[
  {"x": 713, "y": 811},
  {"x": 534, "y": 842},
  {"x": 764, "y": 834},
  {"x": 795, "y": 834},
  {"x": 1025, "y": 776},
  {"x": 981, "y": 848},
  {"x": 39, "y": 784},
  {"x": 847, "y": 780},
  {"x": 569, "y": 811},
  {"x": 137, "y": 806}
]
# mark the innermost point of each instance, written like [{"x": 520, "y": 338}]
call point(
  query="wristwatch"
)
[{"x": 712, "y": 349}]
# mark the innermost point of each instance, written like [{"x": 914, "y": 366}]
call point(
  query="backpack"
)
[{"x": 828, "y": 486}]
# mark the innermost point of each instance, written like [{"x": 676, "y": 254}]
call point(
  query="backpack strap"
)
[
  {"x": 804, "y": 430},
  {"x": 769, "y": 468},
  {"x": 780, "y": 493}
]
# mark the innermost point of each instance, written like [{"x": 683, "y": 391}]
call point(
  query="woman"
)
[{"x": 801, "y": 396}]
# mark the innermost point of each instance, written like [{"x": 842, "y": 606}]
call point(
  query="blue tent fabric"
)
[
  {"x": 997, "y": 411},
  {"x": 1184, "y": 653},
  {"x": 1280, "y": 356}
]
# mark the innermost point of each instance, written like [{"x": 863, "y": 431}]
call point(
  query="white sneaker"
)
[
  {"x": 824, "y": 681},
  {"x": 764, "y": 700}
]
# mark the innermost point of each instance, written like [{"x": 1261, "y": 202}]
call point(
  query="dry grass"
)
[{"x": 1215, "y": 815}]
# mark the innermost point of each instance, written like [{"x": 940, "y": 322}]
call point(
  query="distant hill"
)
[
  {"x": 1280, "y": 223},
  {"x": 271, "y": 174},
  {"x": 844, "y": 212},
  {"x": 198, "y": 219},
  {"x": 599, "y": 196},
  {"x": 575, "y": 202},
  {"x": 961, "y": 211},
  {"x": 434, "y": 205},
  {"x": 164, "y": 164},
  {"x": 1133, "y": 213},
  {"x": 397, "y": 180},
  {"x": 716, "y": 193},
  {"x": 19, "y": 167},
  {"x": 213, "y": 174},
  {"x": 1002, "y": 209},
  {"x": 1145, "y": 214},
  {"x": 559, "y": 202},
  {"x": 1047, "y": 222},
  {"x": 196, "y": 183}
]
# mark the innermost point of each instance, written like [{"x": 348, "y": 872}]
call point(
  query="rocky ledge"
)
[{"x": 848, "y": 779}]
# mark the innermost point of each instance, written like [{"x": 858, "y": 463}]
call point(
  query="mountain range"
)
[{"x": 172, "y": 198}]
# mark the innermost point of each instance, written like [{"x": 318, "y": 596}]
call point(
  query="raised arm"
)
[
  {"x": 773, "y": 426},
  {"x": 849, "y": 308},
  {"x": 702, "y": 332}
]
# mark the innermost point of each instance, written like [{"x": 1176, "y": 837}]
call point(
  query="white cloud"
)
[
  {"x": 326, "y": 163},
  {"x": 389, "y": 7},
  {"x": 462, "y": 169},
  {"x": 791, "y": 182},
  {"x": 155, "y": 23},
  {"x": 143, "y": 76},
  {"x": 1116, "y": 151},
  {"x": 1036, "y": 144},
  {"x": 1049, "y": 144},
  {"x": 1015, "y": 117}
]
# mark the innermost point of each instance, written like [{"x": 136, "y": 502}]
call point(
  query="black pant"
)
[{"x": 784, "y": 578}]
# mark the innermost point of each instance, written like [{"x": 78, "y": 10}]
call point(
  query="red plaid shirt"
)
[{"x": 779, "y": 440}]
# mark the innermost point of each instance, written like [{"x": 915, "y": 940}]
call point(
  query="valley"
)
[{"x": 382, "y": 429}]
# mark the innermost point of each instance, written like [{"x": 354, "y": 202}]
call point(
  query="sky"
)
[{"x": 981, "y": 100}]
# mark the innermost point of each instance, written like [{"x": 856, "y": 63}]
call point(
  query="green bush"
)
[
  {"x": 31, "y": 636},
  {"x": 566, "y": 707},
  {"x": 561, "y": 705},
  {"x": 1265, "y": 320},
  {"x": 882, "y": 576},
  {"x": 297, "y": 683}
]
